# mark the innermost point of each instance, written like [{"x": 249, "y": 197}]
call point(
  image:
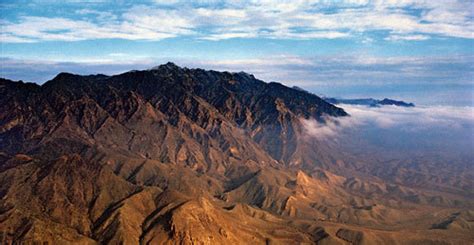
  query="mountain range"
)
[
  {"x": 173, "y": 155},
  {"x": 369, "y": 102}
]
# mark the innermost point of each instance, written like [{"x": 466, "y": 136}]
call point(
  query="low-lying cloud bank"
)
[
  {"x": 418, "y": 121},
  {"x": 427, "y": 128},
  {"x": 331, "y": 128},
  {"x": 416, "y": 118}
]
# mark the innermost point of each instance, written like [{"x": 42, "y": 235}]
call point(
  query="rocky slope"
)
[{"x": 175, "y": 155}]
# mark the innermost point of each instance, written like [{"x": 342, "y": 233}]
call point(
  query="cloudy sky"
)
[{"x": 419, "y": 51}]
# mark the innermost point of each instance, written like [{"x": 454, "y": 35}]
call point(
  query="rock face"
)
[
  {"x": 353, "y": 237},
  {"x": 175, "y": 155}
]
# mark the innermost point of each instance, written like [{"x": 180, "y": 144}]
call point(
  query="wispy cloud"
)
[
  {"x": 138, "y": 23},
  {"x": 216, "y": 20},
  {"x": 407, "y": 37}
]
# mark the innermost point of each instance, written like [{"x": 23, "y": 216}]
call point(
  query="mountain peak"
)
[
  {"x": 62, "y": 79},
  {"x": 64, "y": 75},
  {"x": 168, "y": 66}
]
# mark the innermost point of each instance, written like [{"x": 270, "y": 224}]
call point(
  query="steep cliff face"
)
[{"x": 175, "y": 155}]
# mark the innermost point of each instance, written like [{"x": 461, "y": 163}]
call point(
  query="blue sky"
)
[{"x": 420, "y": 51}]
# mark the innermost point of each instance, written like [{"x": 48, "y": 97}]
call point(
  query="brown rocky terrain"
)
[{"x": 173, "y": 155}]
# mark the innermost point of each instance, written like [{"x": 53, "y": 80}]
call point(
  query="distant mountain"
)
[
  {"x": 369, "y": 102},
  {"x": 173, "y": 155}
]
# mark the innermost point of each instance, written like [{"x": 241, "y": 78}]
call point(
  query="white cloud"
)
[
  {"x": 100, "y": 15},
  {"x": 331, "y": 128},
  {"x": 216, "y": 20},
  {"x": 228, "y": 35},
  {"x": 138, "y": 23},
  {"x": 407, "y": 37},
  {"x": 9, "y": 38},
  {"x": 414, "y": 118},
  {"x": 402, "y": 119}
]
